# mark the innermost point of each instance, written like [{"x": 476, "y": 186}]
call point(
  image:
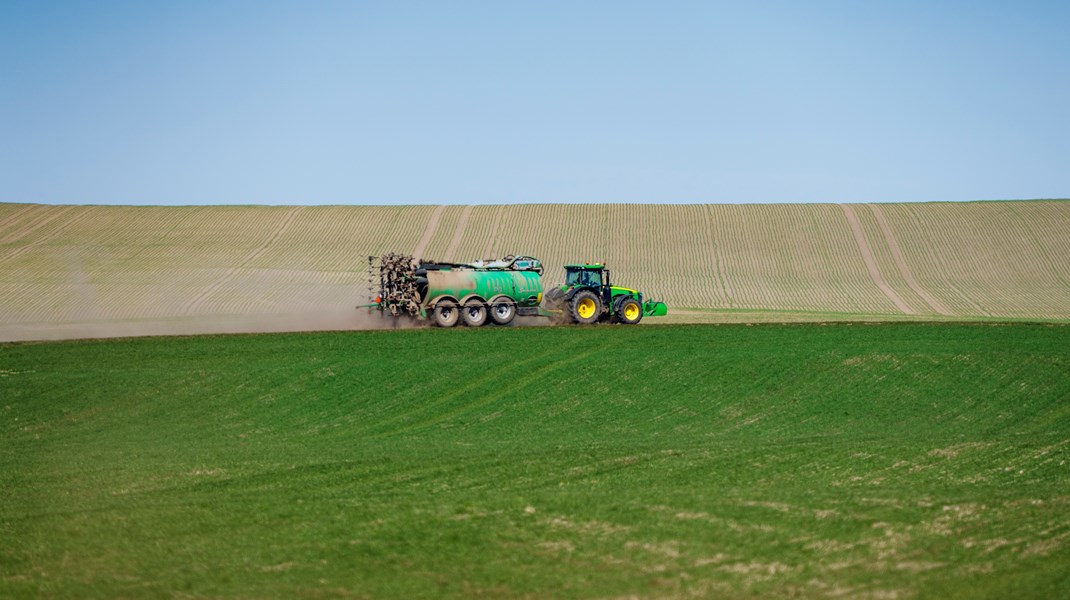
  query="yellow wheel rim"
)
[
  {"x": 585, "y": 308},
  {"x": 631, "y": 312}
]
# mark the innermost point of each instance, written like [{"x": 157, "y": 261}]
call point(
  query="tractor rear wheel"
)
[
  {"x": 503, "y": 311},
  {"x": 446, "y": 313},
  {"x": 586, "y": 307},
  {"x": 554, "y": 298},
  {"x": 629, "y": 311},
  {"x": 474, "y": 313}
]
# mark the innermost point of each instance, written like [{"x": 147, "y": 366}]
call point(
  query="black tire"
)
[
  {"x": 629, "y": 311},
  {"x": 611, "y": 317},
  {"x": 586, "y": 307},
  {"x": 503, "y": 311},
  {"x": 446, "y": 313},
  {"x": 474, "y": 313},
  {"x": 554, "y": 298}
]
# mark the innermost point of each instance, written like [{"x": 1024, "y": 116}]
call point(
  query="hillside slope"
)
[{"x": 65, "y": 267}]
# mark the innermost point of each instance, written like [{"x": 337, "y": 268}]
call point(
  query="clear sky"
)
[{"x": 459, "y": 102}]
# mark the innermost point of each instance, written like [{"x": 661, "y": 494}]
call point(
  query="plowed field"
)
[{"x": 108, "y": 270}]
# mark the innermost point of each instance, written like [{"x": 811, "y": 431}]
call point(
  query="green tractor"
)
[{"x": 588, "y": 297}]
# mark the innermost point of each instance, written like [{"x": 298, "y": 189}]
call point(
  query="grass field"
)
[
  {"x": 89, "y": 271},
  {"x": 814, "y": 461}
]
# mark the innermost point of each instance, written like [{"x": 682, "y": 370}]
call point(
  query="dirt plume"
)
[{"x": 331, "y": 319}]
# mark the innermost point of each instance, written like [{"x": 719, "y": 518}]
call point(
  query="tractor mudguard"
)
[{"x": 572, "y": 292}]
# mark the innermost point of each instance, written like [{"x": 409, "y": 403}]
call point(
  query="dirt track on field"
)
[
  {"x": 901, "y": 263},
  {"x": 871, "y": 261},
  {"x": 451, "y": 250},
  {"x": 432, "y": 225}
]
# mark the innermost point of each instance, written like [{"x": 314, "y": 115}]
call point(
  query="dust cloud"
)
[
  {"x": 333, "y": 319},
  {"x": 329, "y": 319}
]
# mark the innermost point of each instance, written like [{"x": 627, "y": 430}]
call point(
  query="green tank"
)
[
  {"x": 474, "y": 296},
  {"x": 476, "y": 292}
]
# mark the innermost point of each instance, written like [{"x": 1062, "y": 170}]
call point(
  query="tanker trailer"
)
[
  {"x": 447, "y": 293},
  {"x": 474, "y": 295}
]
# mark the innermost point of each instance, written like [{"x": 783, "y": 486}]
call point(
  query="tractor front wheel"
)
[
  {"x": 586, "y": 307},
  {"x": 629, "y": 311}
]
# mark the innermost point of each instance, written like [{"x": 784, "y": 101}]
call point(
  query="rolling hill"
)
[{"x": 119, "y": 270}]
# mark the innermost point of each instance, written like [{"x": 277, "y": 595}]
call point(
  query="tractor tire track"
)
[
  {"x": 871, "y": 261},
  {"x": 462, "y": 223},
  {"x": 901, "y": 263},
  {"x": 51, "y": 235},
  {"x": 34, "y": 225},
  {"x": 429, "y": 232},
  {"x": 197, "y": 301},
  {"x": 1038, "y": 247},
  {"x": 15, "y": 215},
  {"x": 941, "y": 263},
  {"x": 441, "y": 409},
  {"x": 714, "y": 248},
  {"x": 493, "y": 232}
]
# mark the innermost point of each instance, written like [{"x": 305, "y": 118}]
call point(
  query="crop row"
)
[{"x": 1001, "y": 259}]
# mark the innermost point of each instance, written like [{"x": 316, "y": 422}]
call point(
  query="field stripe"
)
[
  {"x": 25, "y": 221},
  {"x": 477, "y": 232},
  {"x": 933, "y": 249},
  {"x": 197, "y": 301},
  {"x": 78, "y": 263},
  {"x": 718, "y": 251},
  {"x": 1038, "y": 247},
  {"x": 15, "y": 215},
  {"x": 34, "y": 225},
  {"x": 462, "y": 223},
  {"x": 51, "y": 235},
  {"x": 438, "y": 408},
  {"x": 871, "y": 263},
  {"x": 901, "y": 263},
  {"x": 429, "y": 232}
]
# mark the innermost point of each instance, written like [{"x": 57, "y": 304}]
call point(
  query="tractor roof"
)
[{"x": 591, "y": 266}]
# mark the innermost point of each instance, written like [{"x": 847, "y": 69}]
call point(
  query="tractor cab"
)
[{"x": 586, "y": 276}]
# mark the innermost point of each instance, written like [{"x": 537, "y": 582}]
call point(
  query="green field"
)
[{"x": 732, "y": 461}]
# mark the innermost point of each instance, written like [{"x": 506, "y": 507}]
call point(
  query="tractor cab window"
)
[{"x": 583, "y": 277}]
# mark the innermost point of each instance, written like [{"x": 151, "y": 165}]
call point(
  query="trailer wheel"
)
[
  {"x": 630, "y": 311},
  {"x": 474, "y": 313},
  {"x": 586, "y": 307},
  {"x": 446, "y": 313},
  {"x": 503, "y": 311}
]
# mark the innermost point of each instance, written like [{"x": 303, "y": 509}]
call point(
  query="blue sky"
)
[{"x": 499, "y": 102}]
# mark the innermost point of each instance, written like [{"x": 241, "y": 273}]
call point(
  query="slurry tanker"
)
[{"x": 497, "y": 291}]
